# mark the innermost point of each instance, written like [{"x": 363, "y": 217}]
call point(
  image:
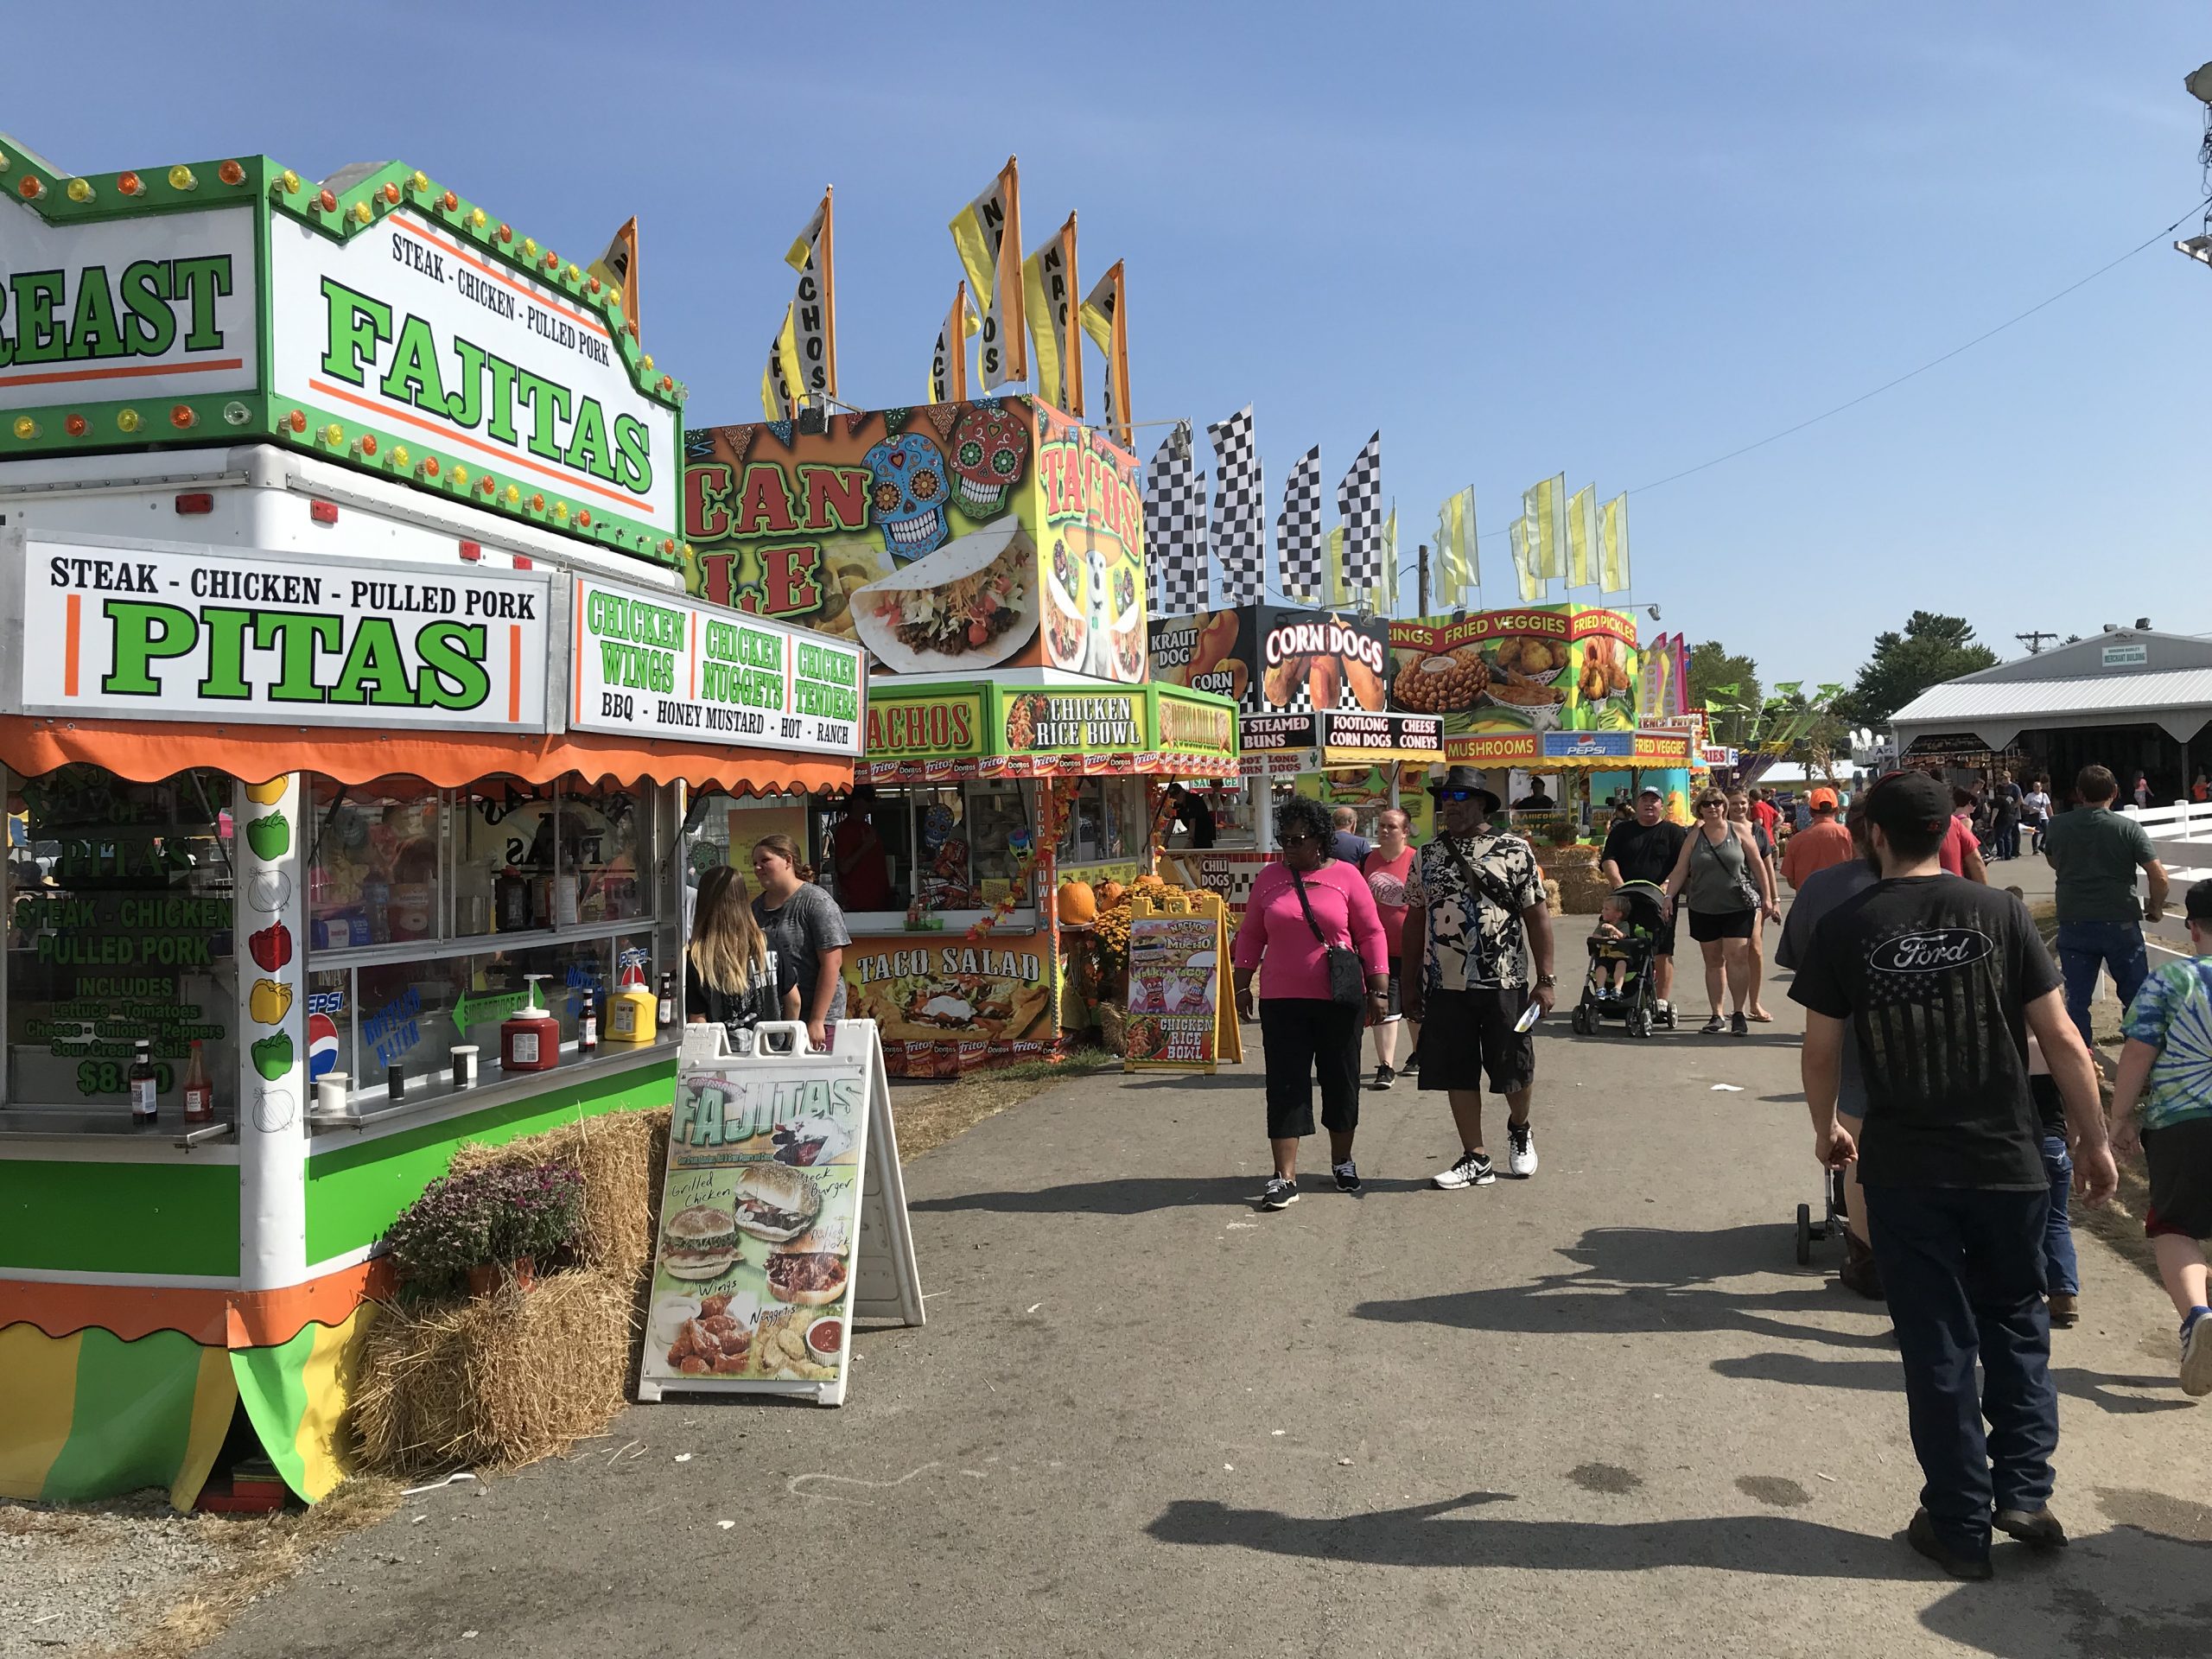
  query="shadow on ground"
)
[{"x": 1885, "y": 1376}]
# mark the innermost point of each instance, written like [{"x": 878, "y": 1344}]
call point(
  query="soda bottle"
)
[
  {"x": 588, "y": 1025},
  {"x": 664, "y": 1014},
  {"x": 142, "y": 1080},
  {"x": 198, "y": 1088}
]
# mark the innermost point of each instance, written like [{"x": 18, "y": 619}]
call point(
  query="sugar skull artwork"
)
[
  {"x": 988, "y": 447},
  {"x": 907, "y": 491}
]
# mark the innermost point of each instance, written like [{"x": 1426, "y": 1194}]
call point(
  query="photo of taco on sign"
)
[{"x": 947, "y": 538}]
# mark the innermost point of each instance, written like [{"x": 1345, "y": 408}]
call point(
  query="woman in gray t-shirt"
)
[
  {"x": 803, "y": 927},
  {"x": 1726, "y": 885}
]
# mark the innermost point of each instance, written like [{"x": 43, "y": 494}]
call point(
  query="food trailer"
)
[
  {"x": 351, "y": 700},
  {"x": 990, "y": 555},
  {"x": 1313, "y": 718}
]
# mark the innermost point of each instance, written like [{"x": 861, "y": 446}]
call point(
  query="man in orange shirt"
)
[{"x": 1823, "y": 842}]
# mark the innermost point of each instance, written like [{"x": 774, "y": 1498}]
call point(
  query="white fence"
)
[{"x": 2183, "y": 821}]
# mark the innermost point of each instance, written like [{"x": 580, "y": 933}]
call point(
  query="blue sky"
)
[{"x": 1612, "y": 239}]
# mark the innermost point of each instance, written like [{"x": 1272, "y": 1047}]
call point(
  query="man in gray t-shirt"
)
[
  {"x": 807, "y": 927},
  {"x": 2096, "y": 852}
]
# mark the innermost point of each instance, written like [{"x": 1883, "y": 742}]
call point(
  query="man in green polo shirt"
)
[{"x": 2096, "y": 852}]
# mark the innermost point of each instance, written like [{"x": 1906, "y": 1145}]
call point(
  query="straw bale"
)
[
  {"x": 620, "y": 1155},
  {"x": 496, "y": 1380}
]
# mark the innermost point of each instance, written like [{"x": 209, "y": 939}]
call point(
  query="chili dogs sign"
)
[
  {"x": 159, "y": 632},
  {"x": 657, "y": 664}
]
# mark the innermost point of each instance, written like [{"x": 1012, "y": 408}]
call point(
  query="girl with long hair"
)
[{"x": 732, "y": 975}]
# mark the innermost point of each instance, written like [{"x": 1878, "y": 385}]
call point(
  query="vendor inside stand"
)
[{"x": 857, "y": 856}]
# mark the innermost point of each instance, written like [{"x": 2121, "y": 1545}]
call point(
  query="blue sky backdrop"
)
[{"x": 1615, "y": 239}]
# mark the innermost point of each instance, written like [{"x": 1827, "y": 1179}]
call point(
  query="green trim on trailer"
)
[
  {"x": 355, "y": 1191},
  {"x": 171, "y": 1218}
]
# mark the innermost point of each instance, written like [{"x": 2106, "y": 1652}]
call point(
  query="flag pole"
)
[{"x": 828, "y": 279}]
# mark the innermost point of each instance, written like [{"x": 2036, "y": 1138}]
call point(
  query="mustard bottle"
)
[{"x": 630, "y": 1010}]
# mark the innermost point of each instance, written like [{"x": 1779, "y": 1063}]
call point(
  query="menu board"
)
[
  {"x": 774, "y": 1182},
  {"x": 1175, "y": 1012},
  {"x": 658, "y": 665}
]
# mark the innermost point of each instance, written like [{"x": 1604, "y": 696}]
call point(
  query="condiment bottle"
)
[
  {"x": 510, "y": 902},
  {"x": 588, "y": 1024},
  {"x": 198, "y": 1089},
  {"x": 144, "y": 1081},
  {"x": 531, "y": 1041},
  {"x": 664, "y": 1014},
  {"x": 631, "y": 1010}
]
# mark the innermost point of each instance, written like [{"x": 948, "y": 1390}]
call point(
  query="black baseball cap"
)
[
  {"x": 2197, "y": 906},
  {"x": 1907, "y": 801}
]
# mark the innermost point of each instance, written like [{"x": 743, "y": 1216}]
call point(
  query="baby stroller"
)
[
  {"x": 1811, "y": 1232},
  {"x": 1636, "y": 1004}
]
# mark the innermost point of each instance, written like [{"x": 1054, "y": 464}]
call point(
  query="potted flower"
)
[{"x": 487, "y": 1225}]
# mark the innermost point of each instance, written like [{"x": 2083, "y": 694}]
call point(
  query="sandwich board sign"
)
[
  {"x": 783, "y": 1216},
  {"x": 1178, "y": 1019}
]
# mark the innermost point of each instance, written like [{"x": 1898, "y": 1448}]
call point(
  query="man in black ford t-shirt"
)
[
  {"x": 1939, "y": 979},
  {"x": 1645, "y": 850}
]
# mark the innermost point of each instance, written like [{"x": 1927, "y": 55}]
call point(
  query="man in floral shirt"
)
[{"x": 1478, "y": 931}]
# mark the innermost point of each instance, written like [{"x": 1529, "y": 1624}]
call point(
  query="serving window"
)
[
  {"x": 946, "y": 847},
  {"x": 119, "y": 928},
  {"x": 1106, "y": 822}
]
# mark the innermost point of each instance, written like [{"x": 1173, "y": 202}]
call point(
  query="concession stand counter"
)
[{"x": 331, "y": 725}]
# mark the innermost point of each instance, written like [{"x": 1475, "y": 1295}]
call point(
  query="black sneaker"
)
[
  {"x": 1384, "y": 1076},
  {"x": 1347, "y": 1174},
  {"x": 1412, "y": 1065},
  {"x": 1279, "y": 1194}
]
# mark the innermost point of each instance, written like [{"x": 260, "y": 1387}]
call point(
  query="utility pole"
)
[
  {"x": 1421, "y": 580},
  {"x": 2034, "y": 640}
]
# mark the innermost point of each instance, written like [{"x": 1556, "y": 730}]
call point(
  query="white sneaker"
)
[
  {"x": 1473, "y": 1169},
  {"x": 2197, "y": 1356},
  {"x": 1520, "y": 1151}
]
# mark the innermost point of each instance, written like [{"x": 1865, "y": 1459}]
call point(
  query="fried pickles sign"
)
[
  {"x": 411, "y": 330},
  {"x": 657, "y": 664},
  {"x": 174, "y": 633}
]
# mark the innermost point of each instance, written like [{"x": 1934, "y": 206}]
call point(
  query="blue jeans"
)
[
  {"x": 2059, "y": 1270},
  {"x": 2084, "y": 947},
  {"x": 1963, "y": 1272}
]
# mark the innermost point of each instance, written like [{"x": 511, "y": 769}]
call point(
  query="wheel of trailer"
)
[{"x": 1805, "y": 1235}]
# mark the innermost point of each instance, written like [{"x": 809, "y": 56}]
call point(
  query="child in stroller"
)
[{"x": 1618, "y": 985}]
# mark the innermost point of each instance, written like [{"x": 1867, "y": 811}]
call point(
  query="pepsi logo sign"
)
[{"x": 1937, "y": 950}]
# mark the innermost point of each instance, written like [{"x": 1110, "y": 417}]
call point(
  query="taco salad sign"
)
[
  {"x": 657, "y": 664},
  {"x": 149, "y": 631}
]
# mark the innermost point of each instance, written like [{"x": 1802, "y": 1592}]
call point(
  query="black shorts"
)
[
  {"x": 2180, "y": 1158},
  {"x": 1302, "y": 1036},
  {"x": 1663, "y": 937},
  {"x": 1706, "y": 925},
  {"x": 1466, "y": 1035},
  {"x": 1391, "y": 1010}
]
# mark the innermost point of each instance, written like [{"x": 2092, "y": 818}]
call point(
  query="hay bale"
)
[
  {"x": 494, "y": 1381},
  {"x": 620, "y": 1155}
]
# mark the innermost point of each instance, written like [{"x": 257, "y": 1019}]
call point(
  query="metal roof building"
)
[{"x": 2131, "y": 699}]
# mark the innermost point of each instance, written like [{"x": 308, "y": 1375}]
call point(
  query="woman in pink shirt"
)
[
  {"x": 1385, "y": 868},
  {"x": 1303, "y": 1031}
]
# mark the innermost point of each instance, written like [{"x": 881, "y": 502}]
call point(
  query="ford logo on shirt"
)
[{"x": 1935, "y": 951}]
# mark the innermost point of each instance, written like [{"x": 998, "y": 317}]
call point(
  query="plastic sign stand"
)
[
  {"x": 1180, "y": 1017},
  {"x": 783, "y": 1216}
]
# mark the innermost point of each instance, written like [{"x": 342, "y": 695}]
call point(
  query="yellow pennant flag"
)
[
  {"x": 1544, "y": 505},
  {"x": 813, "y": 256},
  {"x": 1338, "y": 593},
  {"x": 1457, "y": 561},
  {"x": 1613, "y": 537},
  {"x": 1389, "y": 606},
  {"x": 1524, "y": 562},
  {"x": 779, "y": 381},
  {"x": 1581, "y": 536},
  {"x": 1048, "y": 298},
  {"x": 1105, "y": 319},
  {"x": 618, "y": 269},
  {"x": 949, "y": 366},
  {"x": 988, "y": 232}
]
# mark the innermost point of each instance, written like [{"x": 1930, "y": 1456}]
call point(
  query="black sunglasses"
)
[{"x": 1296, "y": 841}]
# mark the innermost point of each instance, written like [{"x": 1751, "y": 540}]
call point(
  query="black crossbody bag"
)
[
  {"x": 1481, "y": 881},
  {"x": 1347, "y": 974}
]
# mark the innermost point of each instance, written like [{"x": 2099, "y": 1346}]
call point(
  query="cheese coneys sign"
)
[
  {"x": 379, "y": 320},
  {"x": 947, "y": 539},
  {"x": 156, "y": 632}
]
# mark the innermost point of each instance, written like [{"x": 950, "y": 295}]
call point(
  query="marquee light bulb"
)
[
  {"x": 513, "y": 496},
  {"x": 26, "y": 427},
  {"x": 362, "y": 214},
  {"x": 75, "y": 426},
  {"x": 398, "y": 454},
  {"x": 392, "y": 193},
  {"x": 429, "y": 467},
  {"x": 231, "y": 172},
  {"x": 183, "y": 417},
  {"x": 506, "y": 233},
  {"x": 80, "y": 189},
  {"x": 530, "y": 247},
  {"x": 476, "y": 219},
  {"x": 537, "y": 504},
  {"x": 449, "y": 200},
  {"x": 583, "y": 519},
  {"x": 130, "y": 183},
  {"x": 127, "y": 421},
  {"x": 298, "y": 420},
  {"x": 326, "y": 199},
  {"x": 237, "y": 413},
  {"x": 369, "y": 444},
  {"x": 419, "y": 181},
  {"x": 461, "y": 477},
  {"x": 560, "y": 511},
  {"x": 333, "y": 435},
  {"x": 180, "y": 178},
  {"x": 30, "y": 188},
  {"x": 290, "y": 181}
]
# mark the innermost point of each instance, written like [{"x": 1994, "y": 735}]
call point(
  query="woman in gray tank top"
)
[{"x": 1725, "y": 885}]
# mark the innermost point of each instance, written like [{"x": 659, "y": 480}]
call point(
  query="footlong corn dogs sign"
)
[{"x": 149, "y": 631}]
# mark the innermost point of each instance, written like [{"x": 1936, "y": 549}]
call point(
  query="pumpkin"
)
[
  {"x": 1077, "y": 902},
  {"x": 1110, "y": 894}
]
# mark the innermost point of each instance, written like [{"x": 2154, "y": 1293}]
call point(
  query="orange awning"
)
[{"x": 146, "y": 751}]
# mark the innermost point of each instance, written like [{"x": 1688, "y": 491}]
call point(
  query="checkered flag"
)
[
  {"x": 1174, "y": 529},
  {"x": 1298, "y": 530},
  {"x": 1240, "y": 525},
  {"x": 1359, "y": 505}
]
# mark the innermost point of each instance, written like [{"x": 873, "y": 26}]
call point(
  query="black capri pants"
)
[{"x": 1302, "y": 1036}]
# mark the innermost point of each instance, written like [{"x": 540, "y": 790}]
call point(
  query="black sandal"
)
[
  {"x": 1710, "y": 1027},
  {"x": 1739, "y": 1026}
]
